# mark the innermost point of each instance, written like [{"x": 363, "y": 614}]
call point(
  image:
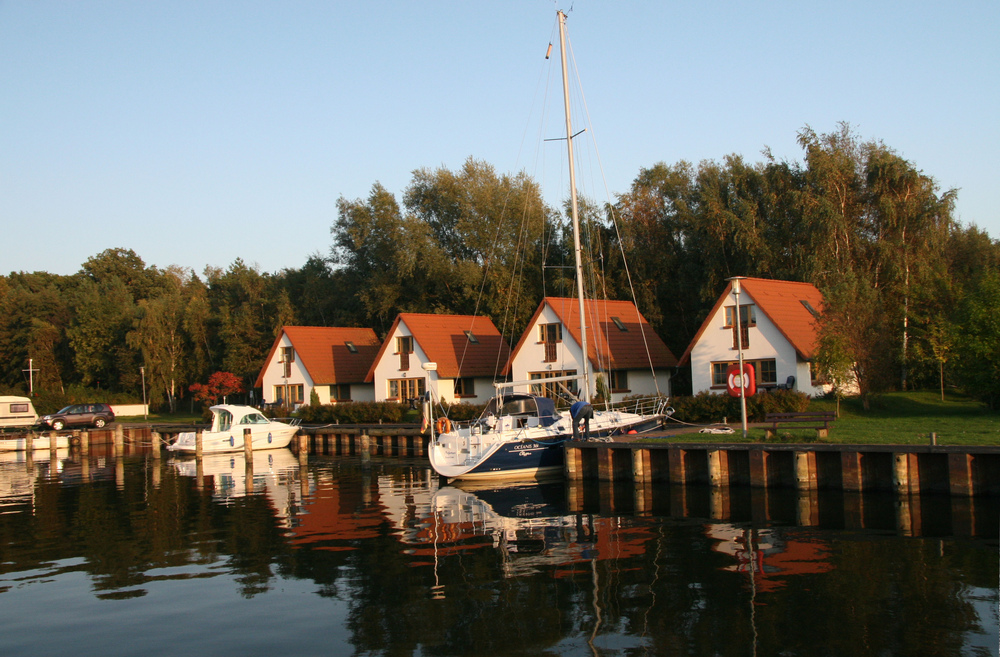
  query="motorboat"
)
[{"x": 229, "y": 422}]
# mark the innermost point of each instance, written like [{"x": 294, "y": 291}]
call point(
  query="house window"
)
[
  {"x": 553, "y": 390},
  {"x": 287, "y": 358},
  {"x": 748, "y": 315},
  {"x": 472, "y": 338},
  {"x": 465, "y": 387},
  {"x": 619, "y": 380},
  {"x": 765, "y": 372},
  {"x": 550, "y": 335},
  {"x": 748, "y": 318},
  {"x": 618, "y": 322},
  {"x": 405, "y": 389},
  {"x": 350, "y": 347},
  {"x": 340, "y": 392},
  {"x": 289, "y": 394},
  {"x": 404, "y": 347},
  {"x": 808, "y": 306}
]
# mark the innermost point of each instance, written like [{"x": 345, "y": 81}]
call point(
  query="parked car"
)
[{"x": 80, "y": 415}]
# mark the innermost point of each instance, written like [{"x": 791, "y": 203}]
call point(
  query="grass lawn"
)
[{"x": 902, "y": 418}]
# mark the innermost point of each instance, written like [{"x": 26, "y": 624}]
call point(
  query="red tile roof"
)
[
  {"x": 618, "y": 349},
  {"x": 782, "y": 302},
  {"x": 323, "y": 352},
  {"x": 443, "y": 340}
]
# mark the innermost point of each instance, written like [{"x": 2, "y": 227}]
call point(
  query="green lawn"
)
[{"x": 894, "y": 419}]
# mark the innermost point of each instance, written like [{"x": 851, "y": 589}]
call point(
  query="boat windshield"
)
[
  {"x": 225, "y": 420},
  {"x": 254, "y": 418}
]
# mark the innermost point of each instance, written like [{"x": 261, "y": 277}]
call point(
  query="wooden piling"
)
[
  {"x": 248, "y": 445},
  {"x": 366, "y": 451},
  {"x": 53, "y": 445},
  {"x": 198, "y": 442},
  {"x": 119, "y": 443},
  {"x": 154, "y": 443},
  {"x": 84, "y": 443},
  {"x": 303, "y": 445}
]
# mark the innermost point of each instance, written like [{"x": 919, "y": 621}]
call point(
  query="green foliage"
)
[
  {"x": 707, "y": 408},
  {"x": 350, "y": 413},
  {"x": 978, "y": 339}
]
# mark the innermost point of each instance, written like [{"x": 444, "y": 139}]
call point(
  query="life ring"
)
[{"x": 443, "y": 425}]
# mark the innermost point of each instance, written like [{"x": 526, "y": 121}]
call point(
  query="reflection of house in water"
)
[
  {"x": 274, "y": 473},
  {"x": 767, "y": 557}
]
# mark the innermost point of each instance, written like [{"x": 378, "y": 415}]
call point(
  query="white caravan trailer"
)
[{"x": 17, "y": 412}]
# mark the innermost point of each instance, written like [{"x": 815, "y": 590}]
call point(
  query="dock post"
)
[
  {"x": 605, "y": 464},
  {"x": 640, "y": 466},
  {"x": 248, "y": 470},
  {"x": 715, "y": 467},
  {"x": 901, "y": 474},
  {"x": 198, "y": 443},
  {"x": 248, "y": 444},
  {"x": 119, "y": 440},
  {"x": 84, "y": 443},
  {"x": 366, "y": 449},
  {"x": 53, "y": 445},
  {"x": 303, "y": 446},
  {"x": 805, "y": 470},
  {"x": 571, "y": 464},
  {"x": 154, "y": 442},
  {"x": 29, "y": 442}
]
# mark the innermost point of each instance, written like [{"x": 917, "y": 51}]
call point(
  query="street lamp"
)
[
  {"x": 145, "y": 408},
  {"x": 430, "y": 366},
  {"x": 735, "y": 281}
]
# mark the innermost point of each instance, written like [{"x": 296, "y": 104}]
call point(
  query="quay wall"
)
[{"x": 954, "y": 470}]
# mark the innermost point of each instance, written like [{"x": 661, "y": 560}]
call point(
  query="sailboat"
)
[{"x": 521, "y": 435}]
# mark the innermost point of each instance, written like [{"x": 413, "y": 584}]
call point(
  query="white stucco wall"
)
[{"x": 388, "y": 366}]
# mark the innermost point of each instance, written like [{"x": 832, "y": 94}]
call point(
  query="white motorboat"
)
[{"x": 229, "y": 422}]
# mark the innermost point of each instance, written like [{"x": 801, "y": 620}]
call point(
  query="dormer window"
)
[
  {"x": 618, "y": 322},
  {"x": 472, "y": 338}
]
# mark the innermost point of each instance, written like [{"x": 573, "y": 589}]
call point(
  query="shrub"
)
[
  {"x": 710, "y": 407},
  {"x": 352, "y": 413}
]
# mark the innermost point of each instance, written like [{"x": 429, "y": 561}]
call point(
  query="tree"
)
[
  {"x": 977, "y": 341},
  {"x": 220, "y": 384}
]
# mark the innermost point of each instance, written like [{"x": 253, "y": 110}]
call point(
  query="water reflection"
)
[{"x": 383, "y": 558}]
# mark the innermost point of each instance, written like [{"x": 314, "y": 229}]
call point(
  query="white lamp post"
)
[
  {"x": 735, "y": 280},
  {"x": 430, "y": 366}
]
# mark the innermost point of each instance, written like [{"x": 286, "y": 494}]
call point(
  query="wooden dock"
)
[{"x": 956, "y": 470}]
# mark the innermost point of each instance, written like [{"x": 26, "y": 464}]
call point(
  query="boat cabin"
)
[{"x": 520, "y": 410}]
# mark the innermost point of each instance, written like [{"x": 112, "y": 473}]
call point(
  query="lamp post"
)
[
  {"x": 428, "y": 367},
  {"x": 735, "y": 281},
  {"x": 145, "y": 408}
]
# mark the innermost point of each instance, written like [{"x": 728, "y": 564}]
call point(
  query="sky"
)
[{"x": 199, "y": 132}]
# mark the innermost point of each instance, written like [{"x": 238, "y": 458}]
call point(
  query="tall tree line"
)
[{"x": 912, "y": 295}]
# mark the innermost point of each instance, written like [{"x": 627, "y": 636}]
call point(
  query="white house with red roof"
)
[
  {"x": 623, "y": 350},
  {"x": 468, "y": 352},
  {"x": 779, "y": 329},
  {"x": 333, "y": 361}
]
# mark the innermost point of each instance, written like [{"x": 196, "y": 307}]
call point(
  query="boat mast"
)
[{"x": 577, "y": 249}]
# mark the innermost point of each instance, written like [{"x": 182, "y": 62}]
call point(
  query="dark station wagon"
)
[{"x": 80, "y": 415}]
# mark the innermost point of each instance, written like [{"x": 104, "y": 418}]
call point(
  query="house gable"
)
[{"x": 784, "y": 303}]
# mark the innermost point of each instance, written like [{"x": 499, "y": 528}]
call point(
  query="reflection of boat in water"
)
[
  {"x": 19, "y": 473},
  {"x": 228, "y": 425},
  {"x": 40, "y": 442},
  {"x": 272, "y": 472},
  {"x": 529, "y": 520}
]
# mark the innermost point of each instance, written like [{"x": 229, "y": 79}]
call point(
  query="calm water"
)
[{"x": 138, "y": 557}]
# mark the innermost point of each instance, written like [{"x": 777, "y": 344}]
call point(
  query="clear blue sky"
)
[{"x": 198, "y": 132}]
